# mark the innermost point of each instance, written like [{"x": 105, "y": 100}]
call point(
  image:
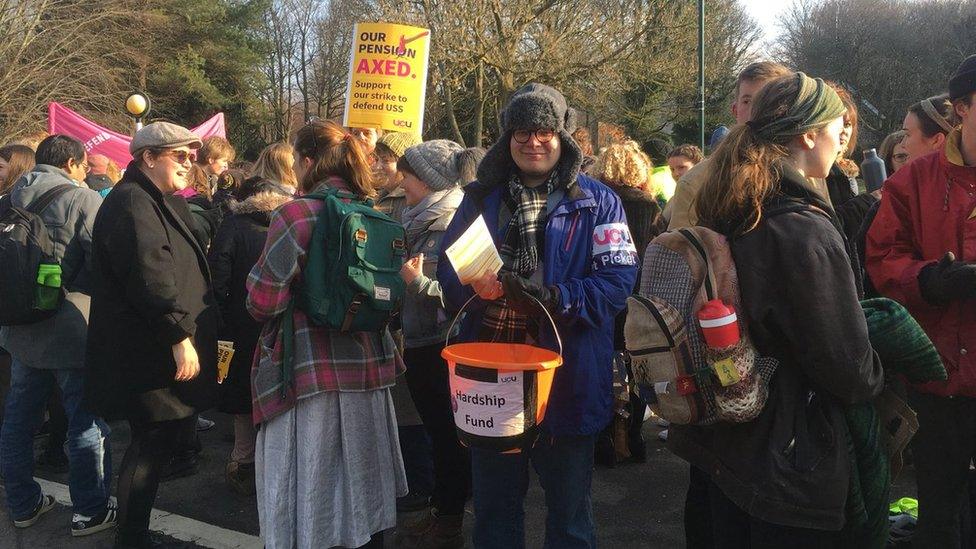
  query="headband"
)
[{"x": 934, "y": 115}]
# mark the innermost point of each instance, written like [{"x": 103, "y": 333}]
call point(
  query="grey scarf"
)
[{"x": 418, "y": 219}]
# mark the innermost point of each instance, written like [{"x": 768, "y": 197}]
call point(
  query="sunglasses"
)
[
  {"x": 181, "y": 157},
  {"x": 542, "y": 136}
]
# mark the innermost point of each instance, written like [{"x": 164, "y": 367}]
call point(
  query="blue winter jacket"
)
[{"x": 590, "y": 256}]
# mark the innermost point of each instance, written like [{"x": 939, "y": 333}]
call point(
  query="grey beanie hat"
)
[
  {"x": 435, "y": 164},
  {"x": 533, "y": 106}
]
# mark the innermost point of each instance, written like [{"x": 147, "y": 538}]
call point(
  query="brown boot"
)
[
  {"x": 240, "y": 477},
  {"x": 443, "y": 532}
]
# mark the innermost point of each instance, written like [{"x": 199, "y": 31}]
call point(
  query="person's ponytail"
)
[
  {"x": 741, "y": 175},
  {"x": 334, "y": 152}
]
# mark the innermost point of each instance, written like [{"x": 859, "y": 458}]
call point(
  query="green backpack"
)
[{"x": 352, "y": 283}]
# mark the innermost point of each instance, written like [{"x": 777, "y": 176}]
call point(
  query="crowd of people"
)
[{"x": 336, "y": 430}]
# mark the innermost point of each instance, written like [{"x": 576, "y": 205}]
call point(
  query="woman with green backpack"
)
[{"x": 327, "y": 462}]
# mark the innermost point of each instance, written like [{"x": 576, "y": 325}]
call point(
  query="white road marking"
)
[{"x": 173, "y": 525}]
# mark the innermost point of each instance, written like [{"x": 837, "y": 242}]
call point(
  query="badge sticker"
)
[{"x": 613, "y": 246}]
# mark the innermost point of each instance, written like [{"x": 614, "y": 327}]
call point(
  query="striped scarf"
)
[{"x": 524, "y": 240}]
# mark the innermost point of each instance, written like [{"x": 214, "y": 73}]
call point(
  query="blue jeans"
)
[
  {"x": 565, "y": 469},
  {"x": 89, "y": 456}
]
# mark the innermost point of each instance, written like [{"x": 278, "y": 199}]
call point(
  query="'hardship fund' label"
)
[{"x": 488, "y": 403}]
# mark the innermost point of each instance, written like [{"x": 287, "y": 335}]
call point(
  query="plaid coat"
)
[{"x": 325, "y": 360}]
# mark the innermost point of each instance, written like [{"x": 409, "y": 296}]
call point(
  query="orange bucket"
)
[{"x": 499, "y": 391}]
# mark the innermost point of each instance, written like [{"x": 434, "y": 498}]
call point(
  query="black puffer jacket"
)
[
  {"x": 235, "y": 250},
  {"x": 150, "y": 290},
  {"x": 791, "y": 465}
]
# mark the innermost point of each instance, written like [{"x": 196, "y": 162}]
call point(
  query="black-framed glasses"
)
[{"x": 541, "y": 135}]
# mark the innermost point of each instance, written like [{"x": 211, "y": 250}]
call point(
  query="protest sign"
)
[
  {"x": 387, "y": 77},
  {"x": 99, "y": 140}
]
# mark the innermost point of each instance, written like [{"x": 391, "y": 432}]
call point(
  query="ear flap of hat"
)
[
  {"x": 497, "y": 165},
  {"x": 570, "y": 120},
  {"x": 570, "y": 160}
]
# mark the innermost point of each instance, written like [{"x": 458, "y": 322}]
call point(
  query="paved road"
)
[{"x": 635, "y": 505}]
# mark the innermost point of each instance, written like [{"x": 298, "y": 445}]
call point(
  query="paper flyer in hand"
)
[{"x": 474, "y": 253}]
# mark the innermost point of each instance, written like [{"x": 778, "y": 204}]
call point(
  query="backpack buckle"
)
[{"x": 361, "y": 235}]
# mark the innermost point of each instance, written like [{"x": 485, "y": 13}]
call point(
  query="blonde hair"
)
[
  {"x": 20, "y": 160},
  {"x": 112, "y": 171},
  {"x": 275, "y": 164},
  {"x": 215, "y": 147},
  {"x": 197, "y": 178},
  {"x": 624, "y": 165}
]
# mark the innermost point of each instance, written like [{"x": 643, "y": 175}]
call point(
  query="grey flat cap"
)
[{"x": 163, "y": 135}]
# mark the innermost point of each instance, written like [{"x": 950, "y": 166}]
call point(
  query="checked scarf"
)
[{"x": 520, "y": 251}]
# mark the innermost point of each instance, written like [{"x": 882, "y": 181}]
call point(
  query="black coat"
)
[
  {"x": 235, "y": 250},
  {"x": 851, "y": 207},
  {"x": 791, "y": 465},
  {"x": 206, "y": 219},
  {"x": 151, "y": 290}
]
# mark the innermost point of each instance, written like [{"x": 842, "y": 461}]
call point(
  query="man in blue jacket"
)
[{"x": 563, "y": 239}]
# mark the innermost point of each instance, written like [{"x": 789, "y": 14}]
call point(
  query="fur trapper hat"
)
[{"x": 533, "y": 106}]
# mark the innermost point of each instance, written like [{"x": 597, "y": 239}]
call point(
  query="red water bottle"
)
[{"x": 719, "y": 324}]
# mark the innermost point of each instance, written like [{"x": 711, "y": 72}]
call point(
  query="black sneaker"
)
[
  {"x": 85, "y": 526},
  {"x": 45, "y": 504}
]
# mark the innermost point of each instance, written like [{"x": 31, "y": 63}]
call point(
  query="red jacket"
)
[{"x": 928, "y": 208}]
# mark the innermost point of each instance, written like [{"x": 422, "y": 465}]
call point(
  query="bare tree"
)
[
  {"x": 887, "y": 52},
  {"x": 47, "y": 56}
]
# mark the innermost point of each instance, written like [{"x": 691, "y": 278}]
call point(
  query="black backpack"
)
[{"x": 30, "y": 280}]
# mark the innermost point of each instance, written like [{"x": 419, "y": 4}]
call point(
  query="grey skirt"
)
[{"x": 329, "y": 471}]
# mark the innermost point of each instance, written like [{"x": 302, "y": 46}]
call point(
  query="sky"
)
[{"x": 765, "y": 12}]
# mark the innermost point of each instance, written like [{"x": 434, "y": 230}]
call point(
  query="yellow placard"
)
[
  {"x": 387, "y": 77},
  {"x": 225, "y": 353}
]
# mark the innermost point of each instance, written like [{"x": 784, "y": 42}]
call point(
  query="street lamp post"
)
[
  {"x": 701, "y": 74},
  {"x": 137, "y": 105}
]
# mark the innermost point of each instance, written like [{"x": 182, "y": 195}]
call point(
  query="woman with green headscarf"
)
[{"x": 782, "y": 480}]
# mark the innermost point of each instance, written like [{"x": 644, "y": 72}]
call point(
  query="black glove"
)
[
  {"x": 948, "y": 280},
  {"x": 518, "y": 291}
]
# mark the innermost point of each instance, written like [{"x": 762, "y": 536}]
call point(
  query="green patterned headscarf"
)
[{"x": 815, "y": 105}]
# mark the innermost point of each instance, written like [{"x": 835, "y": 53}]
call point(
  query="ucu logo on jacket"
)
[{"x": 590, "y": 256}]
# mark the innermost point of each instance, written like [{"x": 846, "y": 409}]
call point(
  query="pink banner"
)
[{"x": 99, "y": 140}]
